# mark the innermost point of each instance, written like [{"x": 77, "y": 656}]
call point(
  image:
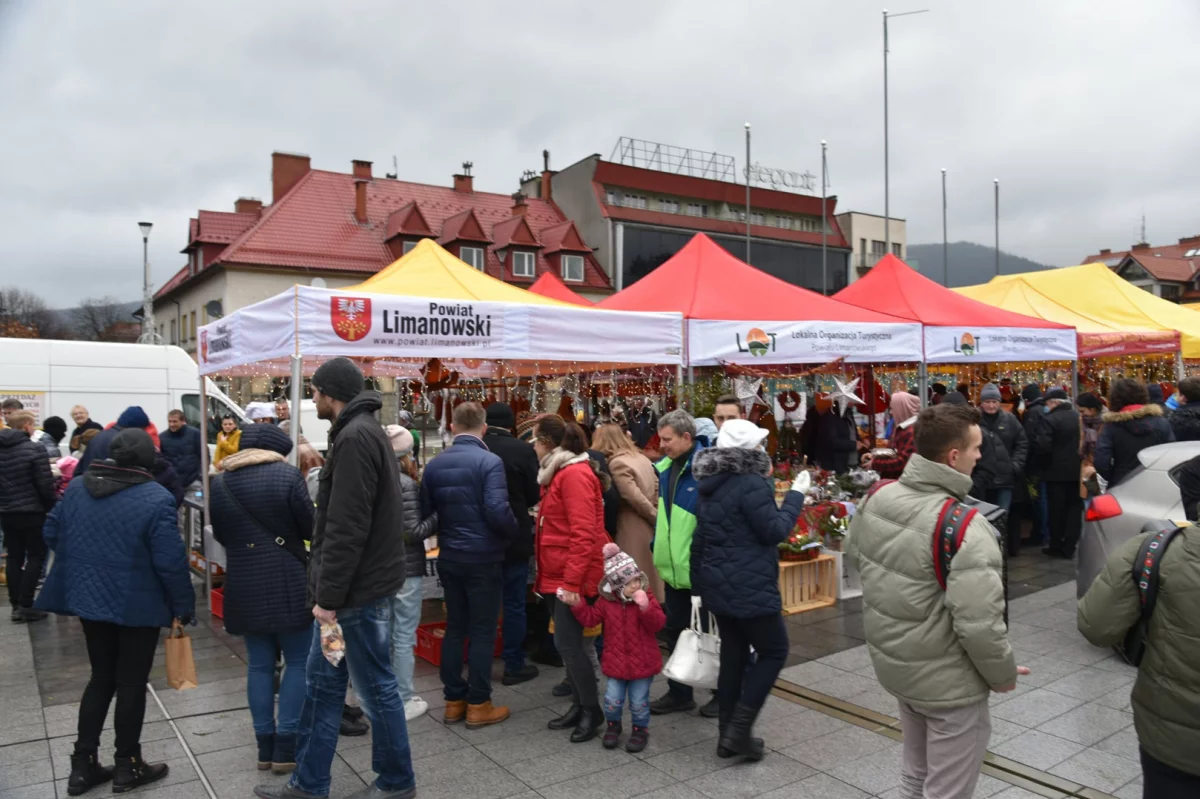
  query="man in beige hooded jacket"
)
[{"x": 940, "y": 652}]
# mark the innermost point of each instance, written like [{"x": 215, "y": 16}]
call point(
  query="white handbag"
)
[{"x": 696, "y": 660}]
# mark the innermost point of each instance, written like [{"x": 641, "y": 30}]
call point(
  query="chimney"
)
[
  {"x": 1190, "y": 240},
  {"x": 464, "y": 182},
  {"x": 1141, "y": 245},
  {"x": 286, "y": 171},
  {"x": 1105, "y": 252},
  {"x": 361, "y": 169},
  {"x": 545, "y": 189},
  {"x": 519, "y": 205},
  {"x": 360, "y": 200},
  {"x": 247, "y": 205}
]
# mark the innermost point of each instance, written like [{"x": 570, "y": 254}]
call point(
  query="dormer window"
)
[
  {"x": 407, "y": 247},
  {"x": 523, "y": 264},
  {"x": 472, "y": 255},
  {"x": 572, "y": 268}
]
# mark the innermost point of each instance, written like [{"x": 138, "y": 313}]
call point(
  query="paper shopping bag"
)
[{"x": 181, "y": 667}]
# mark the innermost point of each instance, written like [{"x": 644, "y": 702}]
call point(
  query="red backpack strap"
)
[{"x": 952, "y": 525}]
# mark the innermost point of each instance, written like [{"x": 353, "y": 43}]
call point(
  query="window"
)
[
  {"x": 192, "y": 324},
  {"x": 613, "y": 197},
  {"x": 217, "y": 410},
  {"x": 522, "y": 264},
  {"x": 472, "y": 255},
  {"x": 174, "y": 340},
  {"x": 572, "y": 268},
  {"x": 896, "y": 249},
  {"x": 756, "y": 218},
  {"x": 204, "y": 314},
  {"x": 738, "y": 214},
  {"x": 634, "y": 201},
  {"x": 697, "y": 209},
  {"x": 669, "y": 206},
  {"x": 783, "y": 222},
  {"x": 862, "y": 246},
  {"x": 878, "y": 248},
  {"x": 407, "y": 247},
  {"x": 1172, "y": 293}
]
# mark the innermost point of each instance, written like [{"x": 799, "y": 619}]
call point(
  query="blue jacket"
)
[
  {"x": 118, "y": 555},
  {"x": 466, "y": 487},
  {"x": 265, "y": 583},
  {"x": 182, "y": 449},
  {"x": 97, "y": 450},
  {"x": 735, "y": 549}
]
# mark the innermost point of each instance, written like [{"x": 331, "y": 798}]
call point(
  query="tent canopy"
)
[
  {"x": 549, "y": 285},
  {"x": 1098, "y": 293},
  {"x": 957, "y": 328},
  {"x": 1095, "y": 338},
  {"x": 739, "y": 314}
]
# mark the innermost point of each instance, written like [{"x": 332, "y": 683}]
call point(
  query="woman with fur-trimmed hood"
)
[
  {"x": 735, "y": 572},
  {"x": 1132, "y": 425}
]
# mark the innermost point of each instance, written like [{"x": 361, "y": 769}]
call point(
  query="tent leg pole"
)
[
  {"x": 923, "y": 383},
  {"x": 679, "y": 386},
  {"x": 1180, "y": 372},
  {"x": 204, "y": 466},
  {"x": 296, "y": 398},
  {"x": 691, "y": 379},
  {"x": 1075, "y": 380}
]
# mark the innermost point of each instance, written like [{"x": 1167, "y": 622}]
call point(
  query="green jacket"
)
[
  {"x": 673, "y": 531},
  {"x": 1166, "y": 696},
  {"x": 934, "y": 649}
]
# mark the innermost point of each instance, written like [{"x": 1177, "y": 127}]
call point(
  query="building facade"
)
[
  {"x": 868, "y": 240},
  {"x": 635, "y": 217},
  {"x": 336, "y": 229},
  {"x": 1171, "y": 272}
]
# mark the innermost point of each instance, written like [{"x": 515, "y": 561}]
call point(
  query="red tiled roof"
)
[
  {"x": 176, "y": 280},
  {"x": 514, "y": 232},
  {"x": 1175, "y": 270},
  {"x": 407, "y": 221},
  {"x": 563, "y": 237},
  {"x": 313, "y": 226},
  {"x": 463, "y": 227},
  {"x": 220, "y": 227},
  {"x": 1177, "y": 250}
]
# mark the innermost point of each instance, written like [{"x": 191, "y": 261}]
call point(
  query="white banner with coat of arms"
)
[
  {"x": 998, "y": 344},
  {"x": 711, "y": 342}
]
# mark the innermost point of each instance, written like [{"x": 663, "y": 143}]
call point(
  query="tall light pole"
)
[
  {"x": 824, "y": 223},
  {"x": 887, "y": 209},
  {"x": 748, "y": 173},
  {"x": 945, "y": 239},
  {"x": 997, "y": 184},
  {"x": 149, "y": 335}
]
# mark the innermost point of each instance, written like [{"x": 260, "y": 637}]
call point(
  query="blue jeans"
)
[
  {"x": 473, "y": 592},
  {"x": 516, "y": 584},
  {"x": 368, "y": 641},
  {"x": 639, "y": 700},
  {"x": 1001, "y": 498},
  {"x": 406, "y": 615},
  {"x": 260, "y": 680}
]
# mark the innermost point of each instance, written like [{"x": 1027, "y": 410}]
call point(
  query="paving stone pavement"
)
[{"x": 1071, "y": 718}]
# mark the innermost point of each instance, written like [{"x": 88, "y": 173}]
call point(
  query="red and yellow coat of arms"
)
[{"x": 350, "y": 316}]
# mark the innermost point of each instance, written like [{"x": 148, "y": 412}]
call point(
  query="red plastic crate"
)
[
  {"x": 217, "y": 600},
  {"x": 429, "y": 646}
]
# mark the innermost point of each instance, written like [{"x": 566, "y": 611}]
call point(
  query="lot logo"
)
[
  {"x": 968, "y": 345},
  {"x": 216, "y": 341},
  {"x": 350, "y": 316},
  {"x": 758, "y": 342}
]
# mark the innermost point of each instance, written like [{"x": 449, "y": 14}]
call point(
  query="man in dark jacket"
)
[
  {"x": 1185, "y": 421},
  {"x": 356, "y": 565},
  {"x": 97, "y": 450},
  {"x": 1031, "y": 417},
  {"x": 1011, "y": 446},
  {"x": 467, "y": 488},
  {"x": 520, "y": 472},
  {"x": 643, "y": 423},
  {"x": 26, "y": 495},
  {"x": 983, "y": 476},
  {"x": 181, "y": 445},
  {"x": 83, "y": 423},
  {"x": 1058, "y": 442}
]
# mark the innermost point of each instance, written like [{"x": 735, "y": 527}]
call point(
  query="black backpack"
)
[{"x": 1145, "y": 576}]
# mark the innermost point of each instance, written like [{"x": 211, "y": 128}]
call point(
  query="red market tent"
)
[
  {"x": 736, "y": 313},
  {"x": 958, "y": 329},
  {"x": 549, "y": 285}
]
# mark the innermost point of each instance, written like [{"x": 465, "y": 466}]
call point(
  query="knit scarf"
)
[
  {"x": 556, "y": 460},
  {"x": 250, "y": 457}
]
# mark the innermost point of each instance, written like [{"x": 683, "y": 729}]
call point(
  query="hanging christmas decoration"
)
[{"x": 843, "y": 394}]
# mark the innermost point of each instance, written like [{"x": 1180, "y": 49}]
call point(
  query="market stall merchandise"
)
[
  {"x": 738, "y": 314},
  {"x": 956, "y": 328}
]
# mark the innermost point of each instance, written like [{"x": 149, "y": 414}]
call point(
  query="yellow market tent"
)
[
  {"x": 1195, "y": 306},
  {"x": 429, "y": 270},
  {"x": 1096, "y": 338},
  {"x": 1096, "y": 292}
]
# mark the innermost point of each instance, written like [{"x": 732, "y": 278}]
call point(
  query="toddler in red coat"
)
[{"x": 631, "y": 617}]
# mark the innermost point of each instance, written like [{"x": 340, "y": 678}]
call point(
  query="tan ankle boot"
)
[
  {"x": 455, "y": 712},
  {"x": 483, "y": 714}
]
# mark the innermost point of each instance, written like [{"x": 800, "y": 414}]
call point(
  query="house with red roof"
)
[
  {"x": 331, "y": 228},
  {"x": 1171, "y": 271}
]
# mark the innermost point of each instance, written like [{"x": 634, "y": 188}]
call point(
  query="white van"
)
[{"x": 51, "y": 377}]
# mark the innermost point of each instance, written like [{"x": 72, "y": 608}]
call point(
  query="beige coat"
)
[
  {"x": 634, "y": 476},
  {"x": 931, "y": 648}
]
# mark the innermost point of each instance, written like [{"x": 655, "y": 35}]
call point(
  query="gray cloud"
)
[{"x": 118, "y": 111}]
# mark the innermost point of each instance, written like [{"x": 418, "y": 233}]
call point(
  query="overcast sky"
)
[{"x": 114, "y": 112}]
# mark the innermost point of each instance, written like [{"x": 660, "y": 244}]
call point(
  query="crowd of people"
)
[{"x": 621, "y": 547}]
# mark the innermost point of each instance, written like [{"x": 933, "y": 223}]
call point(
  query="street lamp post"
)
[
  {"x": 748, "y": 173},
  {"x": 945, "y": 239},
  {"x": 824, "y": 223},
  {"x": 997, "y": 185},
  {"x": 887, "y": 210},
  {"x": 149, "y": 335}
]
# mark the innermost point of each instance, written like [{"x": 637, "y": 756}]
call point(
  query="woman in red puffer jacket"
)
[{"x": 569, "y": 539}]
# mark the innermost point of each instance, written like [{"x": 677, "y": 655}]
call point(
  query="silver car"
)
[{"x": 1149, "y": 494}]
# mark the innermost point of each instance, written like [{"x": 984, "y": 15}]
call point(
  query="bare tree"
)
[
  {"x": 24, "y": 314},
  {"x": 101, "y": 319}
]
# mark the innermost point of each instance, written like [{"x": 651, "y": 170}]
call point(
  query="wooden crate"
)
[{"x": 808, "y": 585}]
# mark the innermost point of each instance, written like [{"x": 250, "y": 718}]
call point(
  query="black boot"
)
[
  {"x": 353, "y": 712},
  {"x": 722, "y": 724},
  {"x": 736, "y": 735},
  {"x": 283, "y": 759},
  {"x": 131, "y": 772},
  {"x": 86, "y": 773},
  {"x": 566, "y": 720},
  {"x": 590, "y": 721},
  {"x": 266, "y": 748}
]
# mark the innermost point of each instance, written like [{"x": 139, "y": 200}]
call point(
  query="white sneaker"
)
[{"x": 415, "y": 707}]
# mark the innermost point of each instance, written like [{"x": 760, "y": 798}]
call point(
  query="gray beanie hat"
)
[{"x": 990, "y": 392}]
